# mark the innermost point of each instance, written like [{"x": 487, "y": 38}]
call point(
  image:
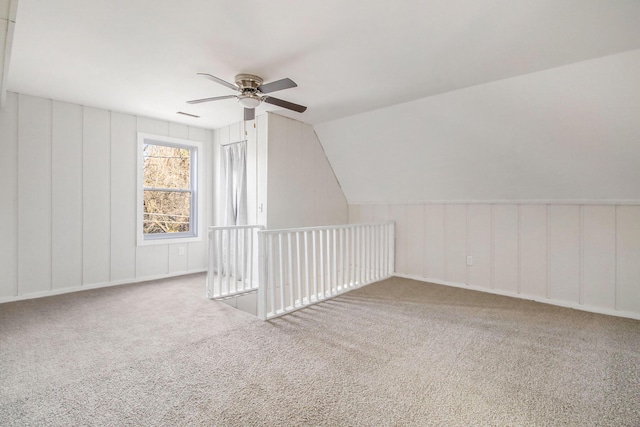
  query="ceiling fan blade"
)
[
  {"x": 219, "y": 80},
  {"x": 215, "y": 98},
  {"x": 249, "y": 113},
  {"x": 277, "y": 85},
  {"x": 285, "y": 104}
]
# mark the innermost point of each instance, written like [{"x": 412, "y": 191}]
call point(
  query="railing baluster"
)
[
  {"x": 376, "y": 246},
  {"x": 281, "y": 271},
  {"x": 272, "y": 283},
  {"x": 335, "y": 262},
  {"x": 243, "y": 260},
  {"x": 290, "y": 277},
  {"x": 340, "y": 281},
  {"x": 218, "y": 291},
  {"x": 250, "y": 260},
  {"x": 299, "y": 272},
  {"x": 315, "y": 265},
  {"x": 322, "y": 267},
  {"x": 352, "y": 261},
  {"x": 262, "y": 277},
  {"x": 306, "y": 266}
]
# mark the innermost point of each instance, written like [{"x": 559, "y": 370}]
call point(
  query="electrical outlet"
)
[
  {"x": 469, "y": 260},
  {"x": 181, "y": 250}
]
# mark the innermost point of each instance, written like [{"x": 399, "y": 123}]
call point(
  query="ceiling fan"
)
[{"x": 253, "y": 93}]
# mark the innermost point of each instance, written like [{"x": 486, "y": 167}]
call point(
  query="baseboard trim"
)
[
  {"x": 623, "y": 202},
  {"x": 98, "y": 286},
  {"x": 566, "y": 304}
]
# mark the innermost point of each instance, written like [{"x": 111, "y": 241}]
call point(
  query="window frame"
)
[{"x": 195, "y": 178}]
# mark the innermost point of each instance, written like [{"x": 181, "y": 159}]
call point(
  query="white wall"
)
[
  {"x": 302, "y": 188},
  {"x": 255, "y": 134},
  {"x": 290, "y": 181},
  {"x": 585, "y": 256},
  {"x": 68, "y": 199},
  {"x": 569, "y": 133}
]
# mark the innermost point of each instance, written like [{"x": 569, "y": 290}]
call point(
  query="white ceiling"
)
[{"x": 142, "y": 56}]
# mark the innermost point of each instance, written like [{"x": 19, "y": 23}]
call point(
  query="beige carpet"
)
[{"x": 395, "y": 353}]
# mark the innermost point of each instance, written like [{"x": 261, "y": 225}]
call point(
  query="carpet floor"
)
[{"x": 394, "y": 353}]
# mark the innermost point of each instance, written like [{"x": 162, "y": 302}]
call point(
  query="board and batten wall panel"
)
[
  {"x": 455, "y": 235},
  {"x": 196, "y": 252},
  {"x": 505, "y": 247},
  {"x": 533, "y": 250},
  {"x": 123, "y": 196},
  {"x": 415, "y": 239},
  {"x": 34, "y": 195},
  {"x": 628, "y": 258},
  {"x": 398, "y": 214},
  {"x": 69, "y": 199},
  {"x": 598, "y": 256},
  {"x": 66, "y": 182},
  {"x": 584, "y": 256},
  {"x": 96, "y": 196},
  {"x": 479, "y": 245},
  {"x": 9, "y": 197},
  {"x": 563, "y": 252},
  {"x": 434, "y": 250}
]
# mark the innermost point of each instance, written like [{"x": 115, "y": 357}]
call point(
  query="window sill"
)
[{"x": 168, "y": 240}]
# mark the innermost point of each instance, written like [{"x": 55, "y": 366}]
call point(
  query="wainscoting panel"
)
[
  {"x": 434, "y": 250},
  {"x": 415, "y": 239},
  {"x": 563, "y": 252},
  {"x": 598, "y": 272},
  {"x": 505, "y": 248},
  {"x": 628, "y": 259},
  {"x": 574, "y": 254},
  {"x": 455, "y": 234},
  {"x": 533, "y": 250},
  {"x": 397, "y": 213},
  {"x": 479, "y": 245}
]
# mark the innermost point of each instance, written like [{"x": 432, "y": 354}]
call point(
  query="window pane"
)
[
  {"x": 166, "y": 167},
  {"x": 166, "y": 212}
]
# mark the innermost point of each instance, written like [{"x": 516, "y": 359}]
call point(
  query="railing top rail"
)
[
  {"x": 324, "y": 227},
  {"x": 234, "y": 227}
]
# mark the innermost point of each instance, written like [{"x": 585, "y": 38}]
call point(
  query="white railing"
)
[
  {"x": 303, "y": 266},
  {"x": 233, "y": 260}
]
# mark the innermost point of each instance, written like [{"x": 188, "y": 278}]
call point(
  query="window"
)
[{"x": 168, "y": 198}]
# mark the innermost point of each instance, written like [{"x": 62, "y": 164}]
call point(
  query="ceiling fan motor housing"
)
[{"x": 248, "y": 82}]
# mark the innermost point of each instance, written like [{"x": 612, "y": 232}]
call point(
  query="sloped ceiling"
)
[
  {"x": 348, "y": 57},
  {"x": 571, "y": 133}
]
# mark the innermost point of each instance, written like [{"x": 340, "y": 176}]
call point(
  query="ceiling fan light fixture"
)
[{"x": 249, "y": 100}]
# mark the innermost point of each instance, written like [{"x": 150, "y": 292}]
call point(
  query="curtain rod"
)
[{"x": 231, "y": 143}]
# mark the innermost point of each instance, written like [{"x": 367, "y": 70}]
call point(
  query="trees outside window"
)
[{"x": 169, "y": 188}]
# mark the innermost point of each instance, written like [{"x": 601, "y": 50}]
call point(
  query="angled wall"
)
[
  {"x": 569, "y": 133},
  {"x": 302, "y": 190}
]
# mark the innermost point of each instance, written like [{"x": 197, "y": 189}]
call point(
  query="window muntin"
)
[{"x": 167, "y": 192}]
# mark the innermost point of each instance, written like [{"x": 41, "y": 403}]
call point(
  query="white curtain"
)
[
  {"x": 234, "y": 159},
  {"x": 234, "y": 169}
]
